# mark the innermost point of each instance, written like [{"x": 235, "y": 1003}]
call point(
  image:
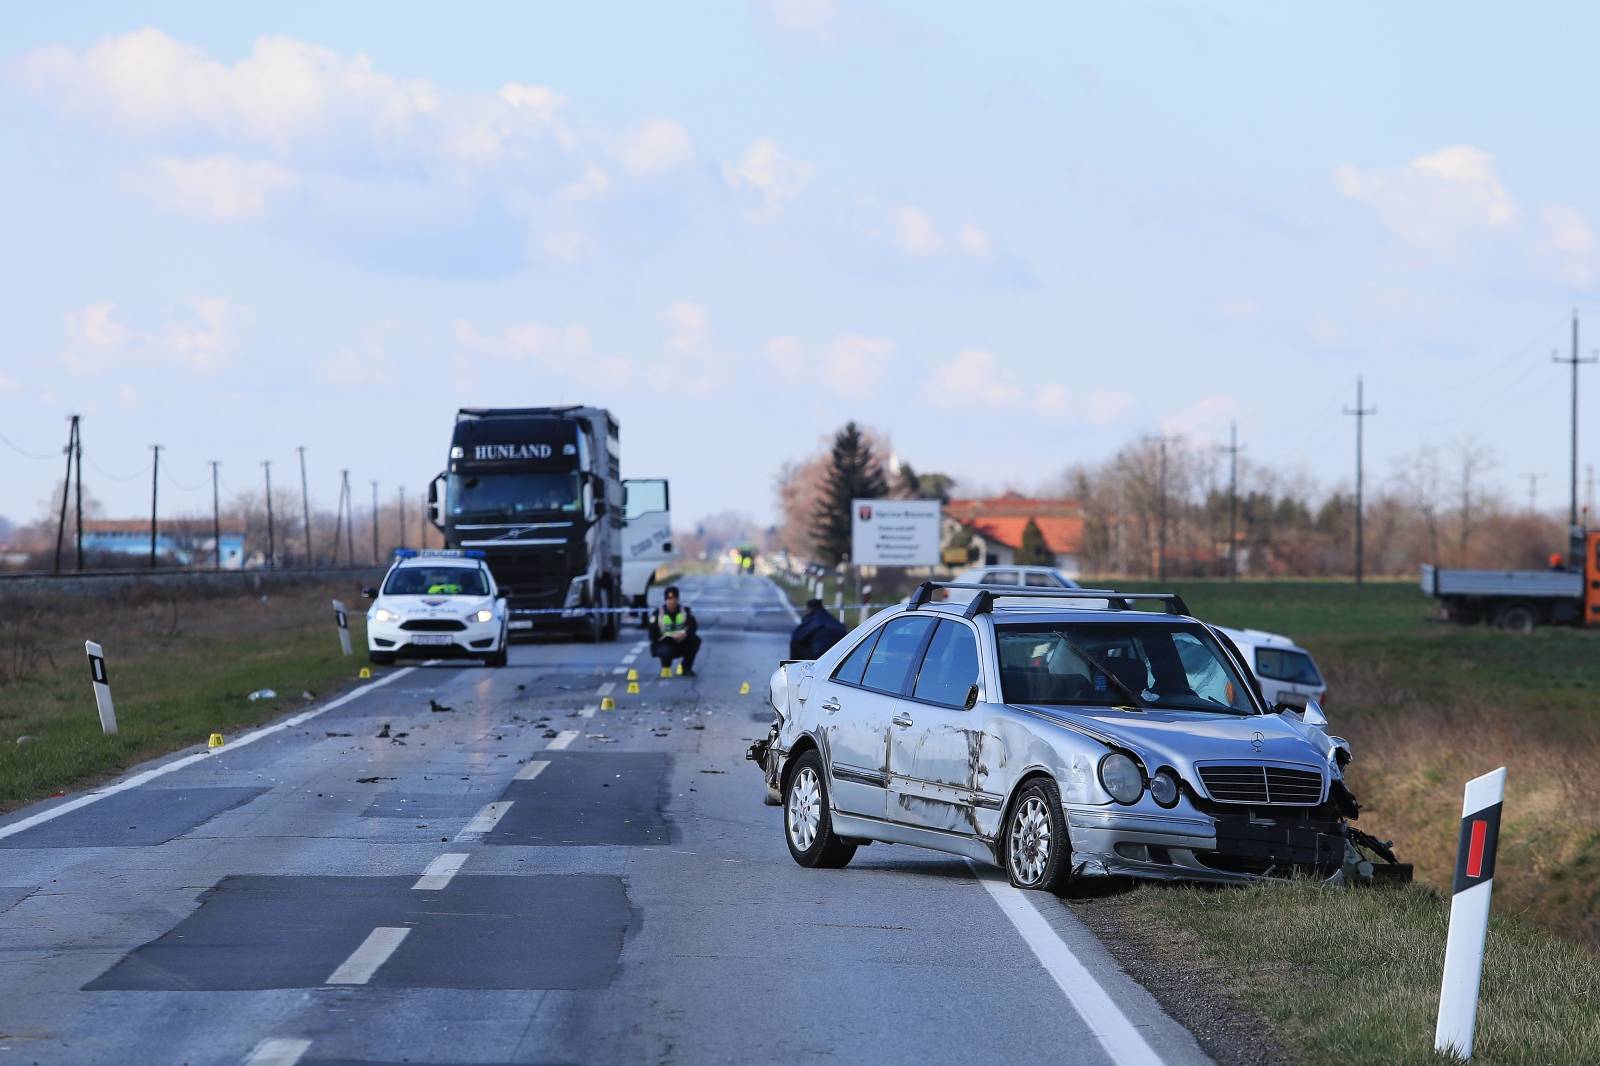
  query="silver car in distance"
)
[{"x": 1057, "y": 742}]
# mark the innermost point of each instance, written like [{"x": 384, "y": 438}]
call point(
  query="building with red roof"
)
[{"x": 996, "y": 524}]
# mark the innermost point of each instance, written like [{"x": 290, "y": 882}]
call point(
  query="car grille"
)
[
  {"x": 433, "y": 625},
  {"x": 1262, "y": 784}
]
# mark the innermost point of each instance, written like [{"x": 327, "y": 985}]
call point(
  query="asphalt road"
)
[{"x": 526, "y": 878}]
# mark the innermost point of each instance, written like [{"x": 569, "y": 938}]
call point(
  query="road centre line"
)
[
  {"x": 563, "y": 739},
  {"x": 619, "y": 669},
  {"x": 485, "y": 820},
  {"x": 532, "y": 770},
  {"x": 439, "y": 872},
  {"x": 278, "y": 1052},
  {"x": 630, "y": 658},
  {"x": 373, "y": 953},
  {"x": 606, "y": 689},
  {"x": 178, "y": 764},
  {"x": 1118, "y": 1037},
  {"x": 588, "y": 712}
]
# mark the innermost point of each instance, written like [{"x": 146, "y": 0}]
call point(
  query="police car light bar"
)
[{"x": 455, "y": 553}]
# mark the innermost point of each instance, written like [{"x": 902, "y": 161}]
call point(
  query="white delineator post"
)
[
  {"x": 102, "y": 687},
  {"x": 343, "y": 621},
  {"x": 1469, "y": 913}
]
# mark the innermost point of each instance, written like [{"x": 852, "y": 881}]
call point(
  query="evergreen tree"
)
[
  {"x": 853, "y": 473},
  {"x": 1033, "y": 551}
]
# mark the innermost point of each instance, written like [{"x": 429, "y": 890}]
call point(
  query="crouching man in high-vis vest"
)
[{"x": 674, "y": 634}]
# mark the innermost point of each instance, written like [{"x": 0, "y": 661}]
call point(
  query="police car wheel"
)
[{"x": 496, "y": 658}]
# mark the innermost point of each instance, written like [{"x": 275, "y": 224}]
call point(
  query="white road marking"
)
[
  {"x": 1120, "y": 1039},
  {"x": 189, "y": 760},
  {"x": 794, "y": 615},
  {"x": 373, "y": 953},
  {"x": 439, "y": 872},
  {"x": 588, "y": 712},
  {"x": 619, "y": 669},
  {"x": 630, "y": 658},
  {"x": 485, "y": 820},
  {"x": 564, "y": 738},
  {"x": 532, "y": 770},
  {"x": 279, "y": 1052},
  {"x": 606, "y": 689}
]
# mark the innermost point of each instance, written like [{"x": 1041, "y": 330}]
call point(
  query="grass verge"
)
[{"x": 181, "y": 667}]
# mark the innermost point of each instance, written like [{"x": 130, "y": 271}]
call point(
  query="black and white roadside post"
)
[
  {"x": 1469, "y": 913},
  {"x": 343, "y": 621},
  {"x": 102, "y": 687}
]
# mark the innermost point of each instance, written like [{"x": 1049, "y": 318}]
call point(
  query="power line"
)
[
  {"x": 116, "y": 477},
  {"x": 180, "y": 486},
  {"x": 25, "y": 453}
]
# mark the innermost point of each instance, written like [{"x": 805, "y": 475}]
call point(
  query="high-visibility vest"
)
[{"x": 672, "y": 623}]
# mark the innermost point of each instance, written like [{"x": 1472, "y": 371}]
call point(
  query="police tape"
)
[{"x": 584, "y": 612}]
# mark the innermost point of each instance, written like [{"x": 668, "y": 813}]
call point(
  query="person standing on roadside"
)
[{"x": 674, "y": 633}]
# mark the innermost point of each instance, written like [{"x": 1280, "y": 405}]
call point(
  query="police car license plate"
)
[{"x": 431, "y": 638}]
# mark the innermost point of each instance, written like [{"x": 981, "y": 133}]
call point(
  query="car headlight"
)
[
  {"x": 1164, "y": 788},
  {"x": 484, "y": 615},
  {"x": 383, "y": 614},
  {"x": 1120, "y": 776}
]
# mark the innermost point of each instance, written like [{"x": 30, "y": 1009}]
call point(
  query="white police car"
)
[{"x": 437, "y": 604}]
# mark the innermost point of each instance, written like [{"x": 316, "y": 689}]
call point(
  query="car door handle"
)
[
  {"x": 830, "y": 705},
  {"x": 903, "y": 721}
]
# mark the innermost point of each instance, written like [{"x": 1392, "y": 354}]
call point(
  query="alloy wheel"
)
[
  {"x": 1029, "y": 847},
  {"x": 805, "y": 808}
]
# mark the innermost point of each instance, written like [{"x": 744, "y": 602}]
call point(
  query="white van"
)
[{"x": 1287, "y": 672}]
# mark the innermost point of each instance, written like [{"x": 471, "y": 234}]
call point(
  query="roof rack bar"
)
[{"x": 987, "y": 594}]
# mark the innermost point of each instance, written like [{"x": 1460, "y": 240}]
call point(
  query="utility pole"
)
[
  {"x": 374, "y": 523},
  {"x": 1574, "y": 361},
  {"x": 305, "y": 504},
  {"x": 216, "y": 517},
  {"x": 1533, "y": 492},
  {"x": 1361, "y": 414},
  {"x": 272, "y": 538},
  {"x": 66, "y": 488},
  {"x": 338, "y": 527},
  {"x": 155, "y": 469},
  {"x": 1588, "y": 491},
  {"x": 349, "y": 521},
  {"x": 1233, "y": 451},
  {"x": 400, "y": 501},
  {"x": 77, "y": 478},
  {"x": 1161, "y": 503}
]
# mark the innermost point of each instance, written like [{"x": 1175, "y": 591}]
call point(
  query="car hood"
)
[{"x": 1182, "y": 738}]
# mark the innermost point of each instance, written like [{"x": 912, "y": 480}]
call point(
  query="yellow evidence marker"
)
[
  {"x": 678, "y": 669},
  {"x": 633, "y": 675},
  {"x": 665, "y": 672},
  {"x": 633, "y": 688},
  {"x": 744, "y": 688},
  {"x": 215, "y": 741},
  {"x": 607, "y": 703},
  {"x": 366, "y": 672}
]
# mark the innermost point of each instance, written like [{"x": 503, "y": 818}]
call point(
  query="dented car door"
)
[
  {"x": 936, "y": 743},
  {"x": 855, "y": 706}
]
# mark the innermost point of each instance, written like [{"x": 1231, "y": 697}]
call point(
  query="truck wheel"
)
[
  {"x": 1517, "y": 618},
  {"x": 613, "y": 622}
]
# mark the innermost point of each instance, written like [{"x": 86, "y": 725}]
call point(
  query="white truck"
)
[{"x": 646, "y": 539}]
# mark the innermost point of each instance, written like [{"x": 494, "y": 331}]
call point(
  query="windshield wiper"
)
[{"x": 1138, "y": 703}]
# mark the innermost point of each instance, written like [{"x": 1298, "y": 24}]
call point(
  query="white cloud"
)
[
  {"x": 766, "y": 171},
  {"x": 1204, "y": 419},
  {"x": 688, "y": 323},
  {"x": 656, "y": 148},
  {"x": 976, "y": 378},
  {"x": 914, "y": 232},
  {"x": 817, "y": 19},
  {"x": 787, "y": 356},
  {"x": 94, "y": 337},
  {"x": 1568, "y": 245},
  {"x": 853, "y": 366},
  {"x": 219, "y": 188},
  {"x": 202, "y": 341},
  {"x": 208, "y": 340},
  {"x": 976, "y": 242},
  {"x": 566, "y": 353},
  {"x": 1438, "y": 202}
]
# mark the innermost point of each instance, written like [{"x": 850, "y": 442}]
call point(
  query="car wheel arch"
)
[
  {"x": 1028, "y": 776},
  {"x": 806, "y": 742}
]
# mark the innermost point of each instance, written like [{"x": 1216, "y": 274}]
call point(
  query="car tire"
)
[
  {"x": 1036, "y": 852},
  {"x": 380, "y": 658},
  {"x": 496, "y": 658},
  {"x": 1517, "y": 618},
  {"x": 807, "y": 823}
]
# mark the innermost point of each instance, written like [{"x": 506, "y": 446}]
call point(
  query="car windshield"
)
[
  {"x": 436, "y": 581},
  {"x": 512, "y": 494},
  {"x": 1281, "y": 664},
  {"x": 1172, "y": 666}
]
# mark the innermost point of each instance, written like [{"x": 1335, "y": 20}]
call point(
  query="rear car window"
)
[
  {"x": 950, "y": 668},
  {"x": 1280, "y": 664},
  {"x": 897, "y": 647},
  {"x": 1043, "y": 581},
  {"x": 999, "y": 577},
  {"x": 850, "y": 670}
]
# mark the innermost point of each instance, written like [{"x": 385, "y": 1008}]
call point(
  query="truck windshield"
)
[
  {"x": 1157, "y": 665},
  {"x": 491, "y": 495}
]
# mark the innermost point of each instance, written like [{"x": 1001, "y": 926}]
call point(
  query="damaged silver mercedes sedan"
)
[{"x": 1057, "y": 741}]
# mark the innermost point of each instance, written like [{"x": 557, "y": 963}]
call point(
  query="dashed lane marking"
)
[
  {"x": 373, "y": 953},
  {"x": 630, "y": 658},
  {"x": 1124, "y": 1045},
  {"x": 485, "y": 820},
  {"x": 532, "y": 770},
  {"x": 605, "y": 689},
  {"x": 619, "y": 669},
  {"x": 588, "y": 712},
  {"x": 563, "y": 739},
  {"x": 278, "y": 1052},
  {"x": 178, "y": 764},
  {"x": 439, "y": 872}
]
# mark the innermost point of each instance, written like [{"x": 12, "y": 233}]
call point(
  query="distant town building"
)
[
  {"x": 990, "y": 529},
  {"x": 184, "y": 541}
]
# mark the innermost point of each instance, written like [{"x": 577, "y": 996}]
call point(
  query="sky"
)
[{"x": 1012, "y": 240}]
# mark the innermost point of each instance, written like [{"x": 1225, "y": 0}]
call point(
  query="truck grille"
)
[
  {"x": 1262, "y": 784},
  {"x": 433, "y": 625}
]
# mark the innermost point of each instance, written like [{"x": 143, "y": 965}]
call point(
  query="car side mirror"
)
[
  {"x": 369, "y": 592},
  {"x": 972, "y": 696},
  {"x": 1313, "y": 715}
]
